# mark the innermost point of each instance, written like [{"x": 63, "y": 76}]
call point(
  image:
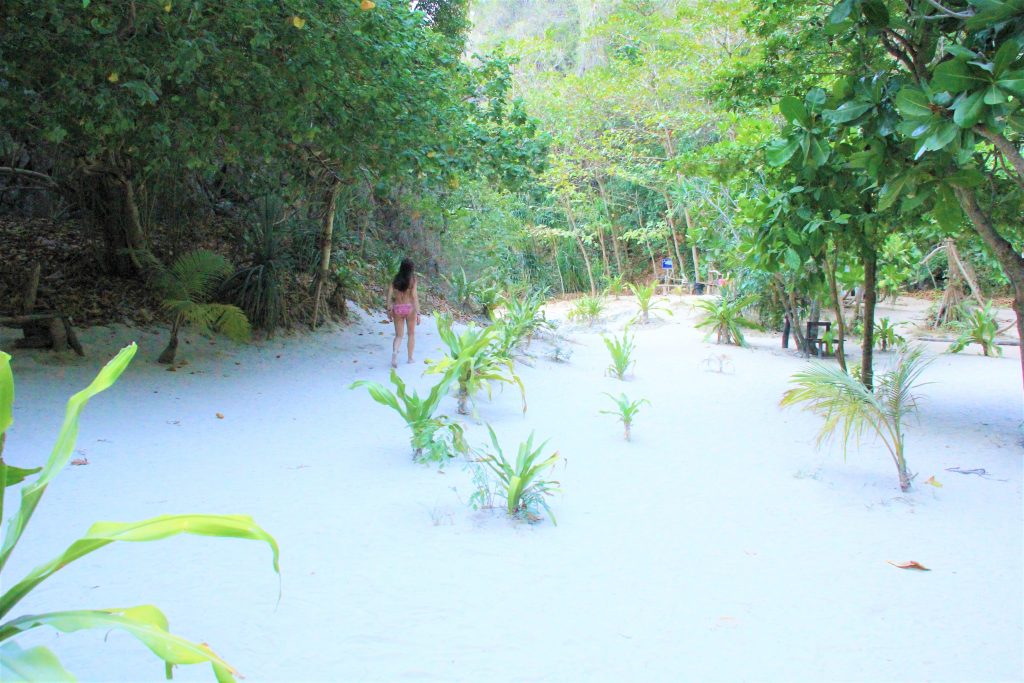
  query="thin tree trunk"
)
[
  {"x": 1011, "y": 262},
  {"x": 135, "y": 236},
  {"x": 611, "y": 224},
  {"x": 870, "y": 258},
  {"x": 168, "y": 354},
  {"x": 579, "y": 242},
  {"x": 670, "y": 217},
  {"x": 696, "y": 261},
  {"x": 604, "y": 254},
  {"x": 326, "y": 242},
  {"x": 837, "y": 307}
]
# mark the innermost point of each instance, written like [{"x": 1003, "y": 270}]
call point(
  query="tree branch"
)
[
  {"x": 35, "y": 175},
  {"x": 1005, "y": 147},
  {"x": 950, "y": 13}
]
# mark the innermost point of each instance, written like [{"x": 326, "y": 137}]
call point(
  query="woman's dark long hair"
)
[{"x": 404, "y": 277}]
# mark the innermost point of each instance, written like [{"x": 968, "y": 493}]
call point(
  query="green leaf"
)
[
  {"x": 956, "y": 76},
  {"x": 793, "y": 110},
  {"x": 966, "y": 177},
  {"x": 815, "y": 99},
  {"x": 101, "y": 534},
  {"x": 913, "y": 103},
  {"x": 1013, "y": 81},
  {"x": 146, "y": 623},
  {"x": 969, "y": 108},
  {"x": 848, "y": 111},
  {"x": 840, "y": 12},
  {"x": 1006, "y": 55},
  {"x": 33, "y": 664},
  {"x": 995, "y": 96},
  {"x": 875, "y": 13},
  {"x": 944, "y": 134},
  {"x": 947, "y": 209},
  {"x": 6, "y": 393},
  {"x": 31, "y": 493},
  {"x": 781, "y": 151},
  {"x": 16, "y": 475}
]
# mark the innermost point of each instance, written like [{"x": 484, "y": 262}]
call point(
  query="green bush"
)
[
  {"x": 724, "y": 318},
  {"x": 587, "y": 308},
  {"x": 977, "y": 326},
  {"x": 626, "y": 410},
  {"x": 520, "y": 482},
  {"x": 621, "y": 350}
]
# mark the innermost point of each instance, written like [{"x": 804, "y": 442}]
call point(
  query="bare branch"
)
[
  {"x": 35, "y": 175},
  {"x": 947, "y": 13}
]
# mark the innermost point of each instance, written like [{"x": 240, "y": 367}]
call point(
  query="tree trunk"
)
[
  {"x": 586, "y": 260},
  {"x": 696, "y": 262},
  {"x": 604, "y": 254},
  {"x": 326, "y": 242},
  {"x": 1011, "y": 262},
  {"x": 167, "y": 357},
  {"x": 670, "y": 217},
  {"x": 837, "y": 307},
  {"x": 870, "y": 259}
]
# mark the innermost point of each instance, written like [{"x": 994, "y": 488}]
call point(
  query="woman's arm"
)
[
  {"x": 387, "y": 303},
  {"x": 415, "y": 299}
]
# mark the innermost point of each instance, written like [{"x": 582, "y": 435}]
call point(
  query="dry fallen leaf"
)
[
  {"x": 909, "y": 564},
  {"x": 220, "y": 416},
  {"x": 931, "y": 480},
  {"x": 367, "y": 5},
  {"x": 80, "y": 461}
]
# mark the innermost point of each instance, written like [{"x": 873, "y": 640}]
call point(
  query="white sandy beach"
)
[{"x": 719, "y": 545}]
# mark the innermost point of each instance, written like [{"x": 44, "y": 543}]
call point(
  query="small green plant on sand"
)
[
  {"x": 434, "y": 438},
  {"x": 587, "y": 308},
  {"x": 520, "y": 481},
  {"x": 615, "y": 286},
  {"x": 645, "y": 301},
  {"x": 625, "y": 410},
  {"x": 724, "y": 318},
  {"x": 478, "y": 360},
  {"x": 522, "y": 319},
  {"x": 851, "y": 409},
  {"x": 145, "y": 622},
  {"x": 186, "y": 290},
  {"x": 886, "y": 336},
  {"x": 621, "y": 350},
  {"x": 463, "y": 290},
  {"x": 977, "y": 326}
]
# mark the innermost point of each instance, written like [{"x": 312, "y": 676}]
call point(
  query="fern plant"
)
[
  {"x": 724, "y": 318},
  {"x": 520, "y": 481},
  {"x": 621, "y": 350},
  {"x": 145, "y": 622},
  {"x": 886, "y": 336},
  {"x": 626, "y": 410},
  {"x": 851, "y": 409},
  {"x": 476, "y": 359},
  {"x": 587, "y": 308},
  {"x": 433, "y": 438},
  {"x": 645, "y": 300},
  {"x": 187, "y": 289},
  {"x": 977, "y": 326}
]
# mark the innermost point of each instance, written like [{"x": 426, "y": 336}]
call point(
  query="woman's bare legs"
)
[
  {"x": 399, "y": 333},
  {"x": 412, "y": 335}
]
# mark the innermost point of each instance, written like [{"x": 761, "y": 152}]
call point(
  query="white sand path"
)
[{"x": 718, "y": 546}]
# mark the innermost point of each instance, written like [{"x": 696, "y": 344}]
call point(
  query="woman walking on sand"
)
[{"x": 403, "y": 308}]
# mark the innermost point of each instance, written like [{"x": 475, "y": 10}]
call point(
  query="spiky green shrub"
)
[
  {"x": 187, "y": 289},
  {"x": 886, "y": 336},
  {"x": 463, "y": 290},
  {"x": 522, "y": 319},
  {"x": 477, "y": 359},
  {"x": 615, "y": 285},
  {"x": 520, "y": 481},
  {"x": 724, "y": 318},
  {"x": 851, "y": 409},
  {"x": 645, "y": 301},
  {"x": 626, "y": 410},
  {"x": 433, "y": 438},
  {"x": 587, "y": 308},
  {"x": 977, "y": 326},
  {"x": 145, "y": 622},
  {"x": 488, "y": 293},
  {"x": 621, "y": 351},
  {"x": 258, "y": 285}
]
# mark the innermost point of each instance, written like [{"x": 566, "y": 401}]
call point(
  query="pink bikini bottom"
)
[{"x": 402, "y": 310}]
